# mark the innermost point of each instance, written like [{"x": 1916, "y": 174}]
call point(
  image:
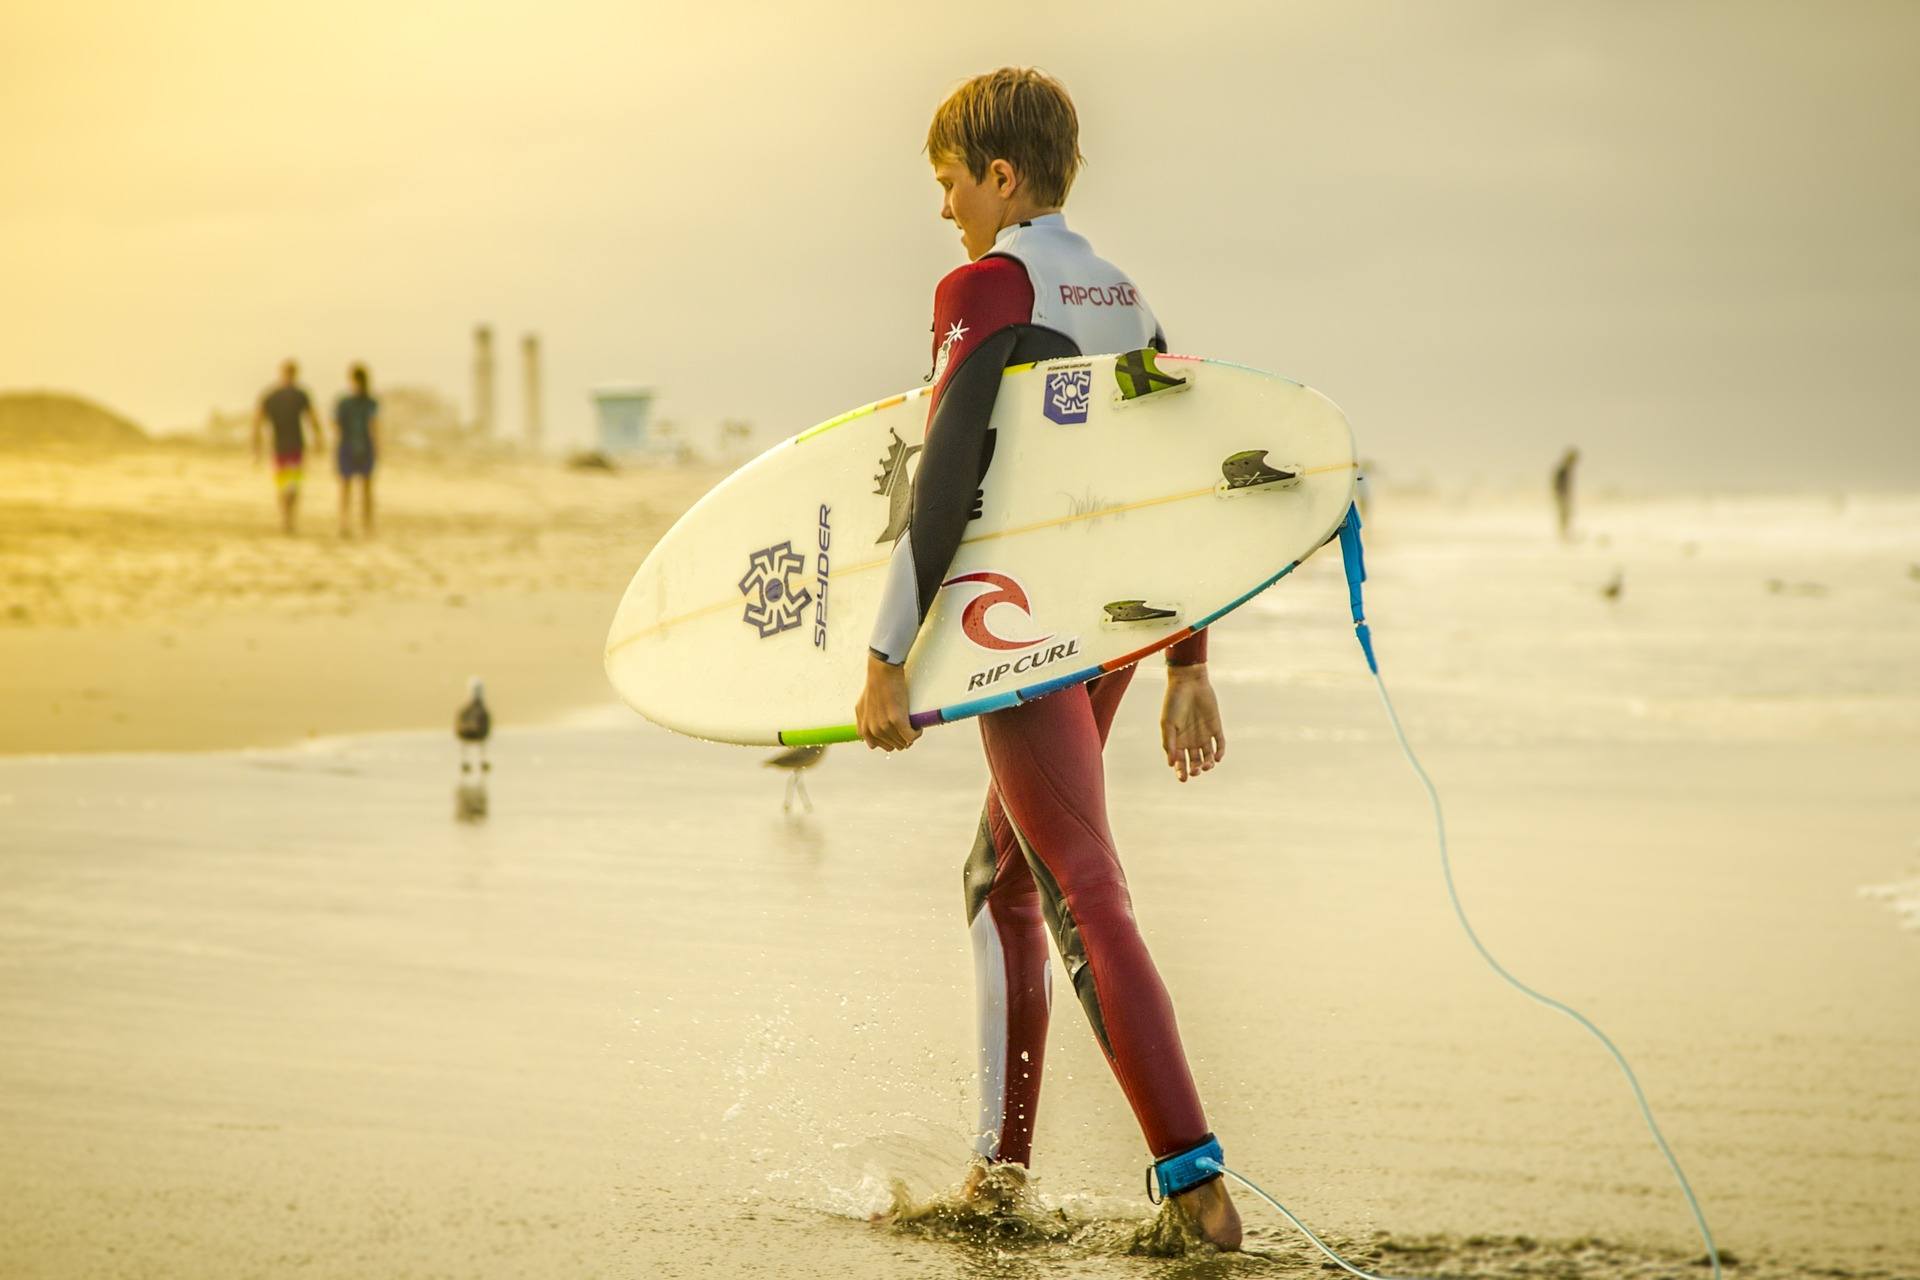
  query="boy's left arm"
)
[{"x": 1191, "y": 731}]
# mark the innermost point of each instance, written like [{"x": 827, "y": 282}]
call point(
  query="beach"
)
[
  {"x": 149, "y": 602},
  {"x": 272, "y": 1010}
]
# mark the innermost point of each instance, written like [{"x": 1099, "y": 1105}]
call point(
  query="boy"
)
[{"x": 1005, "y": 149}]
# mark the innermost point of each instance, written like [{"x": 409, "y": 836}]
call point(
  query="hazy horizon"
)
[{"x": 1677, "y": 236}]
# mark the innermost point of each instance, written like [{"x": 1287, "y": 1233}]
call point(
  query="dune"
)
[{"x": 42, "y": 419}]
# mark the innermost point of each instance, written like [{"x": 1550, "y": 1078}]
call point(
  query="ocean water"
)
[{"x": 285, "y": 1012}]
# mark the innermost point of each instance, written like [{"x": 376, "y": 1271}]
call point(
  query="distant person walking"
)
[
  {"x": 288, "y": 408},
  {"x": 1563, "y": 491},
  {"x": 356, "y": 420}
]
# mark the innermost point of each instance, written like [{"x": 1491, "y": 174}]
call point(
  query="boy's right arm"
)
[{"x": 976, "y": 309}]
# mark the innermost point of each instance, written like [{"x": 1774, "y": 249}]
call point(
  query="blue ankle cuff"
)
[{"x": 1184, "y": 1172}]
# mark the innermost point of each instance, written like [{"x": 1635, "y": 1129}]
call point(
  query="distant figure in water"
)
[
  {"x": 473, "y": 725},
  {"x": 355, "y": 417},
  {"x": 1612, "y": 590},
  {"x": 1563, "y": 491},
  {"x": 796, "y": 761},
  {"x": 289, "y": 409}
]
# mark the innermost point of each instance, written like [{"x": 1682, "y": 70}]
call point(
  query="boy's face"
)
[{"x": 978, "y": 206}]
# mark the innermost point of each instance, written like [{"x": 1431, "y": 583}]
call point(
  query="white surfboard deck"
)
[{"x": 748, "y": 622}]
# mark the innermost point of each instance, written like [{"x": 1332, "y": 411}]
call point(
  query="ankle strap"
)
[{"x": 1182, "y": 1171}]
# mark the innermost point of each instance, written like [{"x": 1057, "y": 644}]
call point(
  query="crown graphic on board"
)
[{"x": 893, "y": 467}]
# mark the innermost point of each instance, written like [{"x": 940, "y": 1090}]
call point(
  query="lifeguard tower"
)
[{"x": 625, "y": 415}]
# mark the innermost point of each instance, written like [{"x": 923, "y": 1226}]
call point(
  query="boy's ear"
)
[{"x": 1006, "y": 179}]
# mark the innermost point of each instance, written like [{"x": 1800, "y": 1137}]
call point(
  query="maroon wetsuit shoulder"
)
[{"x": 970, "y": 305}]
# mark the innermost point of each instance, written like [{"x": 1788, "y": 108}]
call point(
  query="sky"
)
[{"x": 1685, "y": 237}]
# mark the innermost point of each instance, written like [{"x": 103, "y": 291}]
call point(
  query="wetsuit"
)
[{"x": 1044, "y": 858}]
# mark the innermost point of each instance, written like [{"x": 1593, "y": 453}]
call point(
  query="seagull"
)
[
  {"x": 794, "y": 760},
  {"x": 473, "y": 724}
]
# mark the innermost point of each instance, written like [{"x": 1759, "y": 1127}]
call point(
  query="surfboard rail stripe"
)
[{"x": 854, "y": 415}]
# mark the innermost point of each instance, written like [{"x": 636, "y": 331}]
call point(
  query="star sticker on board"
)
[{"x": 955, "y": 333}]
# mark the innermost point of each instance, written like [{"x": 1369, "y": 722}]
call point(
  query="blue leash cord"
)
[{"x": 1354, "y": 559}]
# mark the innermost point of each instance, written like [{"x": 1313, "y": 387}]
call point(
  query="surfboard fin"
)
[
  {"x": 1249, "y": 469},
  {"x": 1139, "y": 376},
  {"x": 1137, "y": 611}
]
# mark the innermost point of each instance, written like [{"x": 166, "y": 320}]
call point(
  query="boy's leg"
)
[
  {"x": 1047, "y": 773},
  {"x": 1013, "y": 988},
  {"x": 1012, "y": 977},
  {"x": 1105, "y": 692}
]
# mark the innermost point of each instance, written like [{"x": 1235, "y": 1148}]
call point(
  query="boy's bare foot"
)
[
  {"x": 993, "y": 1186},
  {"x": 1210, "y": 1211}
]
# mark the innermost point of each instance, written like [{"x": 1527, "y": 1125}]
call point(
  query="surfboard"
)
[{"x": 1129, "y": 501}]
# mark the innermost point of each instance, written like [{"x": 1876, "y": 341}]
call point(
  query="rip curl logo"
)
[
  {"x": 1066, "y": 395},
  {"x": 774, "y": 603},
  {"x": 1002, "y": 590}
]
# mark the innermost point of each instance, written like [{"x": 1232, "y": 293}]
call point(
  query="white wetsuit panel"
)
[{"x": 1075, "y": 291}]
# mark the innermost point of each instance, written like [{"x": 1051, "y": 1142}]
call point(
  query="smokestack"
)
[
  {"x": 483, "y": 380},
  {"x": 530, "y": 384}
]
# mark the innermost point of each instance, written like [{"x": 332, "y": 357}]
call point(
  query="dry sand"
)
[{"x": 149, "y": 602}]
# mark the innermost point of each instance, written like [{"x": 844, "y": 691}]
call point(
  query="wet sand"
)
[{"x": 275, "y": 1012}]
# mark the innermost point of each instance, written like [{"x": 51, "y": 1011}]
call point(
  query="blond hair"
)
[{"x": 1018, "y": 114}]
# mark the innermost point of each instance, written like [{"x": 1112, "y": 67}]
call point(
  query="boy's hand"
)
[
  {"x": 881, "y": 714},
  {"x": 1190, "y": 728}
]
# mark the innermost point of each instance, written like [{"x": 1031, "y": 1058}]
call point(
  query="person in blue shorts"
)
[{"x": 356, "y": 416}]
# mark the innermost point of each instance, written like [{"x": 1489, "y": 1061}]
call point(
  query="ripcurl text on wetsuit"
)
[{"x": 1044, "y": 857}]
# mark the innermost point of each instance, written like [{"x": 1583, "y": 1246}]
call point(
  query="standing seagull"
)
[
  {"x": 795, "y": 761},
  {"x": 473, "y": 725}
]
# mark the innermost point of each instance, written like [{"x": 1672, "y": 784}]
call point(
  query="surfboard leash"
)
[{"x": 1353, "y": 558}]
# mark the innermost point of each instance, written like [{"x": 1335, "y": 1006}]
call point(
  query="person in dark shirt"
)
[
  {"x": 356, "y": 420},
  {"x": 290, "y": 411},
  {"x": 1563, "y": 492},
  {"x": 1005, "y": 149}
]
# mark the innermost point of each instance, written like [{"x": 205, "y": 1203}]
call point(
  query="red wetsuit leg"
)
[
  {"x": 1013, "y": 981},
  {"x": 1045, "y": 760},
  {"x": 1013, "y": 987}
]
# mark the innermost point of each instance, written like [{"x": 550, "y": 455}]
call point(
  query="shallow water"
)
[{"x": 278, "y": 1011}]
